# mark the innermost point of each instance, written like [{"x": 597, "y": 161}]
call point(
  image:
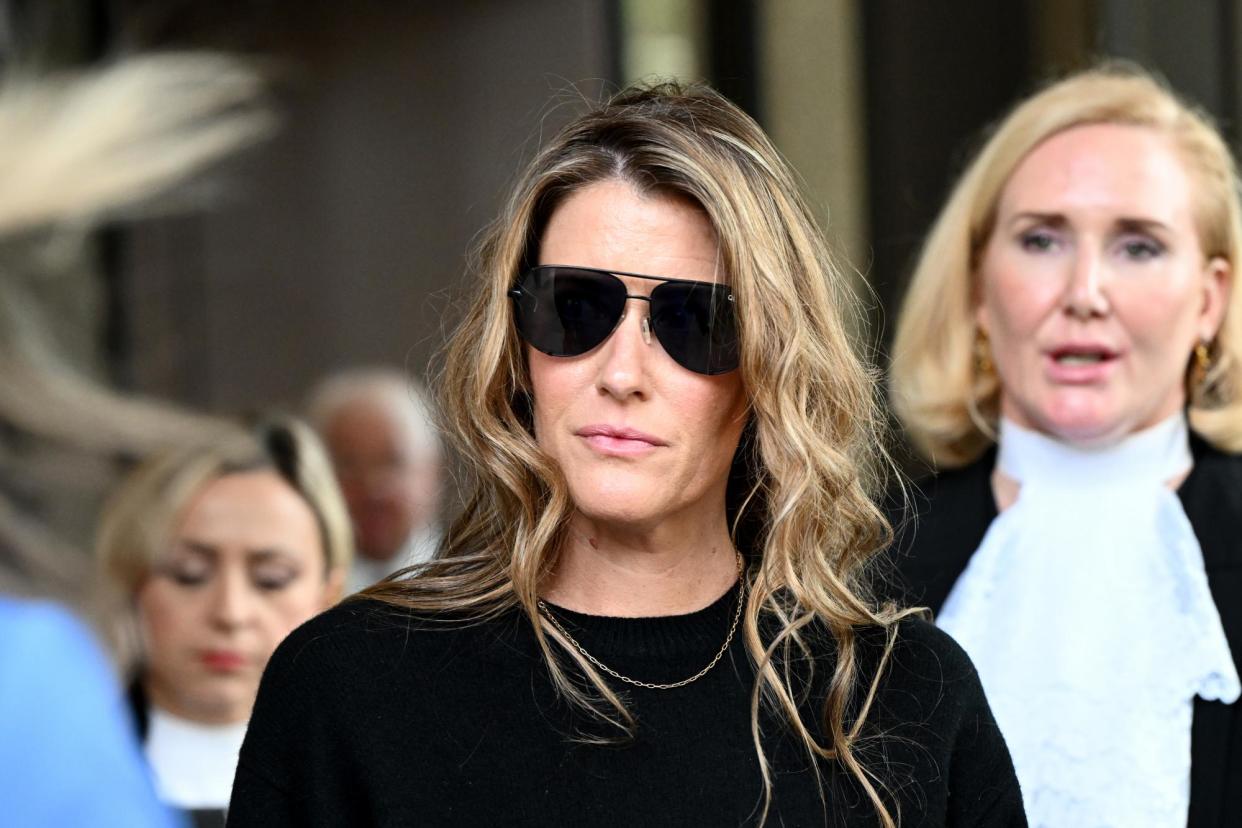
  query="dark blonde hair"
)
[
  {"x": 950, "y": 410},
  {"x": 808, "y": 463}
]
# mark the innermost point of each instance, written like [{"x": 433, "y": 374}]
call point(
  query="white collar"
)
[
  {"x": 1087, "y": 612},
  {"x": 1159, "y": 453},
  {"x": 194, "y": 763}
]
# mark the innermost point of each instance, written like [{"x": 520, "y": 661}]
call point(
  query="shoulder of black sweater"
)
[
  {"x": 378, "y": 636},
  {"x": 920, "y": 651},
  {"x": 926, "y": 674},
  {"x": 926, "y": 689},
  {"x": 362, "y": 660},
  {"x": 366, "y": 671},
  {"x": 361, "y": 641},
  {"x": 373, "y": 637},
  {"x": 929, "y": 704},
  {"x": 326, "y": 666}
]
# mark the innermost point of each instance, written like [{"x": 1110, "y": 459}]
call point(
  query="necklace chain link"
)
[{"x": 737, "y": 614}]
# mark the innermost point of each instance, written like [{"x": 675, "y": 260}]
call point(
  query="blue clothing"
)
[{"x": 68, "y": 755}]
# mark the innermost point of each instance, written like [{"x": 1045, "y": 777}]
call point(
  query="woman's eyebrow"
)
[
  {"x": 198, "y": 547},
  {"x": 261, "y": 553},
  {"x": 269, "y": 554},
  {"x": 1052, "y": 219},
  {"x": 1142, "y": 225}
]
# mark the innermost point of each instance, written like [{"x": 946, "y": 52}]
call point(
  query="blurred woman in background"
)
[
  {"x": 1068, "y": 359},
  {"x": 220, "y": 549}
]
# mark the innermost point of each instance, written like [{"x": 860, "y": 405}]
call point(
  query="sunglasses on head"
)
[{"x": 567, "y": 311}]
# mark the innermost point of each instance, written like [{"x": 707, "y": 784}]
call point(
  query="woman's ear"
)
[
  {"x": 974, "y": 290},
  {"x": 334, "y": 586},
  {"x": 980, "y": 309},
  {"x": 1217, "y": 288},
  {"x": 981, "y": 319}
]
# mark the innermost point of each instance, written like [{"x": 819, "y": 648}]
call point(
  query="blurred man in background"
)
[{"x": 377, "y": 425}]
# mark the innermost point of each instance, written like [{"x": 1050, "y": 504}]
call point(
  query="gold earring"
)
[
  {"x": 1203, "y": 358},
  {"x": 983, "y": 352},
  {"x": 1203, "y": 363}
]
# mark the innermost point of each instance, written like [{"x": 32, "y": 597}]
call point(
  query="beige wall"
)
[{"x": 813, "y": 106}]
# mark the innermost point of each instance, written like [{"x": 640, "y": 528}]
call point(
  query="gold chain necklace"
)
[{"x": 737, "y": 614}]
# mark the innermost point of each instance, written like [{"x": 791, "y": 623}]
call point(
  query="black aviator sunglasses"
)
[{"x": 567, "y": 311}]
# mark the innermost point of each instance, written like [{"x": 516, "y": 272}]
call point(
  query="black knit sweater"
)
[{"x": 369, "y": 716}]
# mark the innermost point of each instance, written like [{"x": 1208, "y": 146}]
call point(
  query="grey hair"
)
[{"x": 400, "y": 395}]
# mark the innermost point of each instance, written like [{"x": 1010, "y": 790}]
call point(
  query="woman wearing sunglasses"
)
[{"x": 653, "y": 608}]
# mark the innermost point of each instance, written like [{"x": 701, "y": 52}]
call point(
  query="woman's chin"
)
[
  {"x": 634, "y": 513},
  {"x": 225, "y": 706},
  {"x": 619, "y": 496},
  {"x": 1084, "y": 426},
  {"x": 1079, "y": 416}
]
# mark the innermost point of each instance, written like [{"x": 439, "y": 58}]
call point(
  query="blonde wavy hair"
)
[
  {"x": 948, "y": 408},
  {"x": 808, "y": 464}
]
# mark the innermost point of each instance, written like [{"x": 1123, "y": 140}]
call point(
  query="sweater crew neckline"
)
[{"x": 652, "y": 636}]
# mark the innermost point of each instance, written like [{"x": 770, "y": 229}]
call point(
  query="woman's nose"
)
[
  {"x": 623, "y": 372},
  {"x": 232, "y": 600},
  {"x": 1084, "y": 293}
]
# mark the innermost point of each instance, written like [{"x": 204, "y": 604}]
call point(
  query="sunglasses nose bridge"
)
[{"x": 645, "y": 322}]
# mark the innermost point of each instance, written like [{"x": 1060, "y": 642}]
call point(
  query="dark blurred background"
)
[{"x": 343, "y": 239}]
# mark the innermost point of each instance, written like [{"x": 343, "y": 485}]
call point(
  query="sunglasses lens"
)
[
  {"x": 566, "y": 312},
  {"x": 696, "y": 325}
]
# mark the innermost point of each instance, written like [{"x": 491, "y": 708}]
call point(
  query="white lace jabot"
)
[{"x": 1087, "y": 612}]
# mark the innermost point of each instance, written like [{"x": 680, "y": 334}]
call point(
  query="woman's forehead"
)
[
  {"x": 249, "y": 510},
  {"x": 612, "y": 226},
  {"x": 1108, "y": 169}
]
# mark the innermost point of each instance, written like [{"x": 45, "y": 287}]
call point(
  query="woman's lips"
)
[
  {"x": 619, "y": 441},
  {"x": 1081, "y": 365},
  {"x": 223, "y": 661}
]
